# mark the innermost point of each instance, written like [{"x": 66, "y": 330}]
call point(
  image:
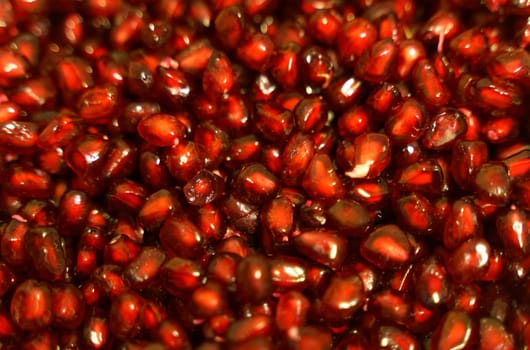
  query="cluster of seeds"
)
[{"x": 264, "y": 174}]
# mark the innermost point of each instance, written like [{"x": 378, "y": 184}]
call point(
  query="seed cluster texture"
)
[{"x": 264, "y": 174}]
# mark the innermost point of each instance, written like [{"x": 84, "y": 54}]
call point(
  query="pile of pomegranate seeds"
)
[{"x": 264, "y": 174}]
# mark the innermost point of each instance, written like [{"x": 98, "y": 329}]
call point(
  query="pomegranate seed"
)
[
  {"x": 253, "y": 278},
  {"x": 416, "y": 213},
  {"x": 320, "y": 179},
  {"x": 31, "y": 305},
  {"x": 492, "y": 183},
  {"x": 316, "y": 67},
  {"x": 386, "y": 247},
  {"x": 18, "y": 137},
  {"x": 356, "y": 37},
  {"x": 342, "y": 298},
  {"x": 407, "y": 122},
  {"x": 462, "y": 223},
  {"x": 255, "y": 51},
  {"x": 350, "y": 217},
  {"x": 291, "y": 311},
  {"x": 456, "y": 329},
  {"x": 325, "y": 247},
  {"x": 181, "y": 237},
  {"x": 372, "y": 156},
  {"x": 161, "y": 130},
  {"x": 430, "y": 89},
  {"x": 68, "y": 306},
  {"x": 377, "y": 64},
  {"x": 441, "y": 28},
  {"x": 469, "y": 261},
  {"x": 444, "y": 129},
  {"x": 98, "y": 104}
]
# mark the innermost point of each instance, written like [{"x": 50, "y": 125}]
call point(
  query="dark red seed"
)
[
  {"x": 181, "y": 237},
  {"x": 430, "y": 89},
  {"x": 124, "y": 315},
  {"x": 444, "y": 129},
  {"x": 372, "y": 156},
  {"x": 455, "y": 330},
  {"x": 161, "y": 130},
  {"x": 291, "y": 311},
  {"x": 255, "y": 184},
  {"x": 470, "y": 261},
  {"x": 355, "y": 37},
  {"x": 431, "y": 282},
  {"x": 349, "y": 217},
  {"x": 98, "y": 104},
  {"x": 320, "y": 179},
  {"x": 407, "y": 122},
  {"x": 492, "y": 183},
  {"x": 253, "y": 279},
  {"x": 31, "y": 305},
  {"x": 387, "y": 247},
  {"x": 325, "y": 247},
  {"x": 462, "y": 223},
  {"x": 68, "y": 306},
  {"x": 342, "y": 298},
  {"x": 18, "y": 137},
  {"x": 376, "y": 64}
]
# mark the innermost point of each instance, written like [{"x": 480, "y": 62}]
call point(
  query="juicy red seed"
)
[
  {"x": 31, "y": 305},
  {"x": 18, "y": 137},
  {"x": 444, "y": 129},
  {"x": 387, "y": 247},
  {"x": 469, "y": 261},
  {"x": 254, "y": 183},
  {"x": 407, "y": 122},
  {"x": 161, "y": 130},
  {"x": 456, "y": 329},
  {"x": 181, "y": 237},
  {"x": 98, "y": 104},
  {"x": 325, "y": 247},
  {"x": 430, "y": 89},
  {"x": 356, "y": 37},
  {"x": 205, "y": 187},
  {"x": 320, "y": 179},
  {"x": 342, "y": 298},
  {"x": 372, "y": 156},
  {"x": 377, "y": 64}
]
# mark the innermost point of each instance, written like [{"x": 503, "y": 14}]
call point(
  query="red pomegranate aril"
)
[
  {"x": 493, "y": 334},
  {"x": 492, "y": 183},
  {"x": 441, "y": 28},
  {"x": 316, "y": 68},
  {"x": 409, "y": 52},
  {"x": 277, "y": 217},
  {"x": 518, "y": 164},
  {"x": 242, "y": 215},
  {"x": 513, "y": 65},
  {"x": 501, "y": 130},
  {"x": 18, "y": 137},
  {"x": 325, "y": 247},
  {"x": 467, "y": 158},
  {"x": 291, "y": 311},
  {"x": 74, "y": 75},
  {"x": 355, "y": 37},
  {"x": 462, "y": 223},
  {"x": 180, "y": 276},
  {"x": 180, "y": 236},
  {"x": 59, "y": 132},
  {"x": 145, "y": 267},
  {"x": 425, "y": 176},
  {"x": 248, "y": 328},
  {"x": 68, "y": 306},
  {"x": 98, "y": 104},
  {"x": 35, "y": 95},
  {"x": 161, "y": 130},
  {"x": 407, "y": 122},
  {"x": 342, "y": 298},
  {"x": 349, "y": 217},
  {"x": 372, "y": 193},
  {"x": 222, "y": 268},
  {"x": 284, "y": 66},
  {"x": 391, "y": 306},
  {"x": 430, "y": 89},
  {"x": 120, "y": 250},
  {"x": 124, "y": 315},
  {"x": 372, "y": 156},
  {"x": 455, "y": 330},
  {"x": 184, "y": 160},
  {"x": 14, "y": 67},
  {"x": 512, "y": 228},
  {"x": 205, "y": 187},
  {"x": 296, "y": 156},
  {"x": 253, "y": 279},
  {"x": 376, "y": 64},
  {"x": 393, "y": 337},
  {"x": 43, "y": 246},
  {"x": 119, "y": 159},
  {"x": 234, "y": 115},
  {"x": 108, "y": 278},
  {"x": 431, "y": 282},
  {"x": 386, "y": 247},
  {"x": 469, "y": 261},
  {"x": 446, "y": 127},
  {"x": 415, "y": 213},
  {"x": 255, "y": 184},
  {"x": 31, "y": 305},
  {"x": 218, "y": 78},
  {"x": 8, "y": 279},
  {"x": 320, "y": 179},
  {"x": 288, "y": 273},
  {"x": 9, "y": 111},
  {"x": 229, "y": 26},
  {"x": 255, "y": 51},
  {"x": 354, "y": 122},
  {"x": 273, "y": 122},
  {"x": 96, "y": 330}
]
